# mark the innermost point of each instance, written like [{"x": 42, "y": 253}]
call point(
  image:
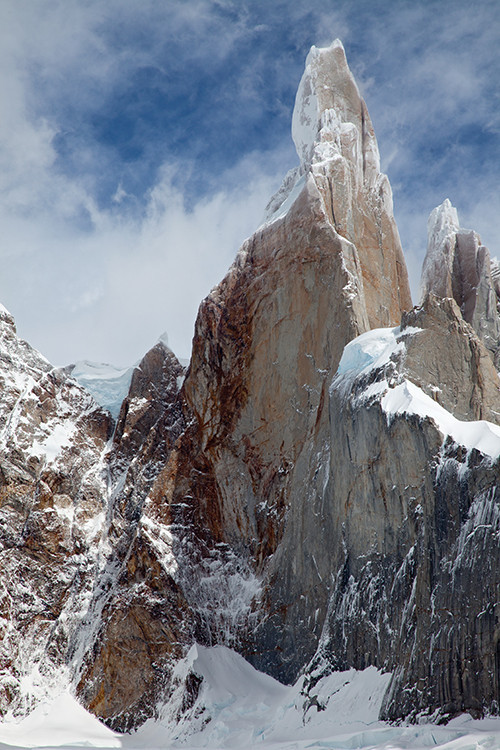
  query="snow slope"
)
[
  {"x": 374, "y": 350},
  {"x": 62, "y": 723},
  {"x": 238, "y": 707}
]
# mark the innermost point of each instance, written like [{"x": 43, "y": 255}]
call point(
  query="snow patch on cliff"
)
[
  {"x": 108, "y": 384},
  {"x": 59, "y": 437},
  {"x": 407, "y": 398},
  {"x": 375, "y": 351}
]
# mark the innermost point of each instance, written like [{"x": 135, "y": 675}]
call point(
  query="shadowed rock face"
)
[{"x": 410, "y": 520}]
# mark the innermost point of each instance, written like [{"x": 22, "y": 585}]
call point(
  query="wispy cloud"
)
[
  {"x": 141, "y": 140},
  {"x": 109, "y": 292}
]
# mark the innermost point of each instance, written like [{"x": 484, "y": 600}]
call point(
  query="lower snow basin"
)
[{"x": 239, "y": 707}]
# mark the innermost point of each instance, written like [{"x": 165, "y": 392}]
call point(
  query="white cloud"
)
[
  {"x": 84, "y": 281},
  {"x": 106, "y": 294}
]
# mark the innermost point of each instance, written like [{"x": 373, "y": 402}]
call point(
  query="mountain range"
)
[{"x": 317, "y": 491}]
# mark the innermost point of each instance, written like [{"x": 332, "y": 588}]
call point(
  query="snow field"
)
[
  {"x": 374, "y": 350},
  {"x": 239, "y": 707}
]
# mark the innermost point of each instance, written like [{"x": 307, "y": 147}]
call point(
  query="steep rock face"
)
[
  {"x": 458, "y": 266},
  {"x": 269, "y": 338},
  {"x": 151, "y": 401},
  {"x": 336, "y": 143},
  {"x": 138, "y": 621},
  {"x": 53, "y": 438}
]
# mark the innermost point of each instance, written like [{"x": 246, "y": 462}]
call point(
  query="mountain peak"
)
[
  {"x": 443, "y": 220},
  {"x": 457, "y": 265},
  {"x": 330, "y": 118}
]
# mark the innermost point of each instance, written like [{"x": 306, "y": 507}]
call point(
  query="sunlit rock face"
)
[
  {"x": 336, "y": 144},
  {"x": 457, "y": 265}
]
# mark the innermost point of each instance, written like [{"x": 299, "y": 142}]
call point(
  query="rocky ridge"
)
[
  {"x": 53, "y": 439},
  {"x": 457, "y": 265},
  {"x": 319, "y": 492}
]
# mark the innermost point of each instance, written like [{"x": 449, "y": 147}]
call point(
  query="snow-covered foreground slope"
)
[{"x": 239, "y": 707}]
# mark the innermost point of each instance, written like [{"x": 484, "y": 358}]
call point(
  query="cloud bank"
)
[{"x": 140, "y": 142}]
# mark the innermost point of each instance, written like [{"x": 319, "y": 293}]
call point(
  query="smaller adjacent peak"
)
[
  {"x": 458, "y": 266},
  {"x": 437, "y": 271},
  {"x": 442, "y": 221}
]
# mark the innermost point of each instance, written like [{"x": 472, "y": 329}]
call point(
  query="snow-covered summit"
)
[
  {"x": 457, "y": 265},
  {"x": 327, "y": 121}
]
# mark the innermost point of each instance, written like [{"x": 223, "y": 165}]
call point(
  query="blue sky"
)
[{"x": 141, "y": 139}]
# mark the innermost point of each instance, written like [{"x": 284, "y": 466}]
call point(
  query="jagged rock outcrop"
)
[
  {"x": 138, "y": 621},
  {"x": 457, "y": 265},
  {"x": 53, "y": 439}
]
